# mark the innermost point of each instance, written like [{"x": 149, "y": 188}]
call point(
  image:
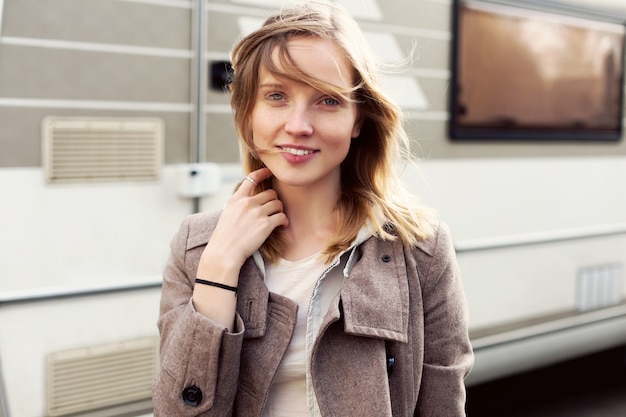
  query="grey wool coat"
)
[{"x": 394, "y": 342}]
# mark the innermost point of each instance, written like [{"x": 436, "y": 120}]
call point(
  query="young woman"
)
[{"x": 321, "y": 288}]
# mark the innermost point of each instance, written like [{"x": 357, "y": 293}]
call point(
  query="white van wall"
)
[
  {"x": 65, "y": 248},
  {"x": 60, "y": 239},
  {"x": 498, "y": 204}
]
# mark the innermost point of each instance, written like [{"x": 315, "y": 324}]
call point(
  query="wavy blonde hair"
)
[{"x": 371, "y": 188}]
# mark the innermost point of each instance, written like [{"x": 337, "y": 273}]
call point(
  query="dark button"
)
[
  {"x": 386, "y": 258},
  {"x": 192, "y": 396},
  {"x": 391, "y": 361}
]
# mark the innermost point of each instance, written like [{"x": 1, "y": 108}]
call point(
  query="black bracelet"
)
[{"x": 216, "y": 284}]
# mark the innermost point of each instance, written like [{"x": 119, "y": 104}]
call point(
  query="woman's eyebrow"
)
[{"x": 270, "y": 85}]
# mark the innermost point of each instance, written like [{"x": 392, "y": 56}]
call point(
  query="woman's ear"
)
[{"x": 356, "y": 129}]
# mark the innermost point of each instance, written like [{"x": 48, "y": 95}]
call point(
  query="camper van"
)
[{"x": 114, "y": 125}]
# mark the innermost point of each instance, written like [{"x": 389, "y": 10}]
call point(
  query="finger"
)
[
  {"x": 249, "y": 182},
  {"x": 279, "y": 219},
  {"x": 247, "y": 178},
  {"x": 272, "y": 207},
  {"x": 265, "y": 196},
  {"x": 254, "y": 178}
]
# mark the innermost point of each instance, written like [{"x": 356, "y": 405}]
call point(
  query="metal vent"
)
[
  {"x": 101, "y": 149},
  {"x": 101, "y": 376}
]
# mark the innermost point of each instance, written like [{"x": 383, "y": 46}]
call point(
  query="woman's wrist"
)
[
  {"x": 216, "y": 284},
  {"x": 221, "y": 269}
]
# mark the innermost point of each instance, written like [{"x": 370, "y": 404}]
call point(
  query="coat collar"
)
[
  {"x": 374, "y": 299},
  {"x": 375, "y": 296}
]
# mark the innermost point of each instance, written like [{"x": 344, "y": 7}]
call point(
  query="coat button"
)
[
  {"x": 192, "y": 396},
  {"x": 386, "y": 258},
  {"x": 391, "y": 361}
]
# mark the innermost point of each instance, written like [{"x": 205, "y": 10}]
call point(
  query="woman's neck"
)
[{"x": 312, "y": 221}]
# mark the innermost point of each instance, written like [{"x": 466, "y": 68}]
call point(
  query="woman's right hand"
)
[{"x": 245, "y": 223}]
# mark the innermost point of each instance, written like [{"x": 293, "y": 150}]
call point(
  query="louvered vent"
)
[
  {"x": 100, "y": 149},
  {"x": 101, "y": 376}
]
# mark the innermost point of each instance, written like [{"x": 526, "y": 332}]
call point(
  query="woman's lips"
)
[
  {"x": 297, "y": 155},
  {"x": 297, "y": 151}
]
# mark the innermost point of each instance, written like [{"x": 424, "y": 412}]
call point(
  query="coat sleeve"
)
[
  {"x": 199, "y": 359},
  {"x": 448, "y": 355}
]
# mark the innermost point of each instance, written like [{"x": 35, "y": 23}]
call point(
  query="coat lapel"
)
[
  {"x": 375, "y": 296},
  {"x": 349, "y": 369}
]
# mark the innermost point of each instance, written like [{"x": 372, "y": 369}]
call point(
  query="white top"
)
[
  {"x": 296, "y": 281},
  {"x": 313, "y": 285}
]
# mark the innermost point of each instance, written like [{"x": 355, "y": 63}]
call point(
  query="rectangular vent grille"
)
[
  {"x": 101, "y": 376},
  {"x": 101, "y": 149}
]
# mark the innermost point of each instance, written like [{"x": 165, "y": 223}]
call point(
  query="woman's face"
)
[{"x": 300, "y": 133}]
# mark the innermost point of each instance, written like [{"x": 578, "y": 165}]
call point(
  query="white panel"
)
[
  {"x": 363, "y": 9},
  {"x": 485, "y": 198},
  {"x": 83, "y": 236},
  {"x": 518, "y": 283},
  {"x": 385, "y": 46},
  {"x": 491, "y": 200},
  {"x": 32, "y": 331},
  {"x": 94, "y": 233},
  {"x": 1, "y": 14},
  {"x": 96, "y": 47},
  {"x": 406, "y": 91},
  {"x": 248, "y": 25}
]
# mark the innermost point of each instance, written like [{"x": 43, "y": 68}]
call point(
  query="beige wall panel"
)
[
  {"x": 81, "y": 75},
  {"x": 102, "y": 21},
  {"x": 436, "y": 92},
  {"x": 431, "y": 141},
  {"x": 427, "y": 53},
  {"x": 20, "y": 137},
  {"x": 20, "y": 133},
  {"x": 418, "y": 14},
  {"x": 215, "y": 97},
  {"x": 221, "y": 139},
  {"x": 427, "y": 14},
  {"x": 223, "y": 31},
  {"x": 428, "y": 138},
  {"x": 177, "y": 137}
]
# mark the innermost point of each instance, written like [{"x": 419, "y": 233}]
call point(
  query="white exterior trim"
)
[{"x": 96, "y": 105}]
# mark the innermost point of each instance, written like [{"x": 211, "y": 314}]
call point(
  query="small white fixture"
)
[{"x": 199, "y": 180}]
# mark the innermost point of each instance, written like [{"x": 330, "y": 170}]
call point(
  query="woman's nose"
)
[{"x": 299, "y": 121}]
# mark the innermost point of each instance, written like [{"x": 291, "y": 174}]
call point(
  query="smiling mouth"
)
[{"x": 297, "y": 152}]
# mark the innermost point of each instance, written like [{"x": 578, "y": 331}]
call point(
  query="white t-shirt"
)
[{"x": 294, "y": 280}]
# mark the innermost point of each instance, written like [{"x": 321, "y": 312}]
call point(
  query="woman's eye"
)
[
  {"x": 329, "y": 101},
  {"x": 275, "y": 96}
]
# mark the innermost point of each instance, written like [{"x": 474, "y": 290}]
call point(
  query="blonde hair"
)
[{"x": 371, "y": 188}]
